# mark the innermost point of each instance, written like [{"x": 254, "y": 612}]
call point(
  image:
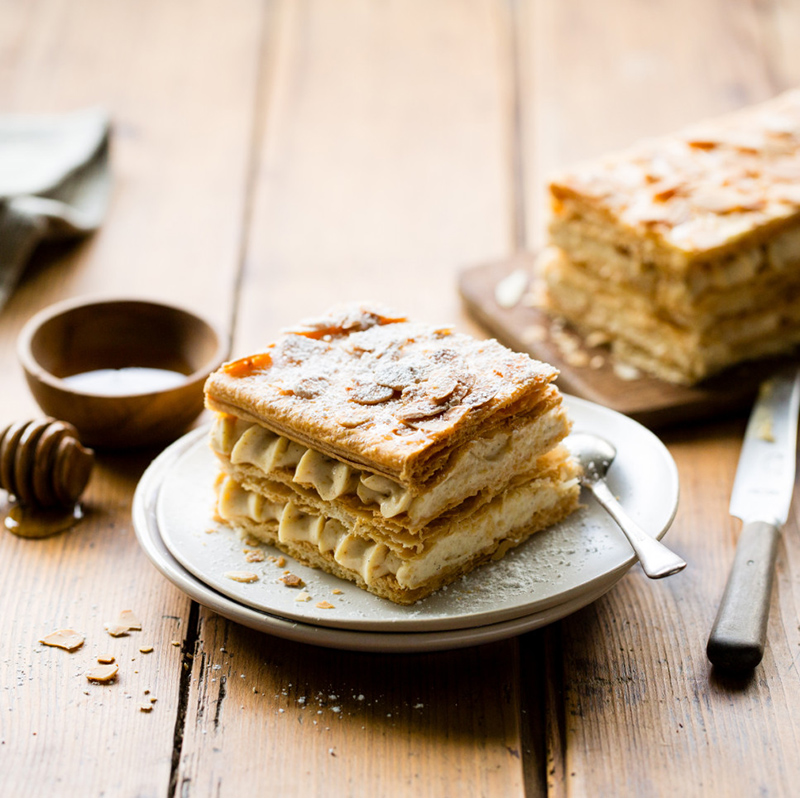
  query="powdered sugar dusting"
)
[{"x": 419, "y": 384}]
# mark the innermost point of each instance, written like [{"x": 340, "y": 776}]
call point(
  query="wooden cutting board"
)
[{"x": 650, "y": 401}]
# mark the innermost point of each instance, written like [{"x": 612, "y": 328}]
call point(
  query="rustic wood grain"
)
[
  {"x": 272, "y": 158},
  {"x": 633, "y": 705},
  {"x": 178, "y": 81},
  {"x": 317, "y": 721},
  {"x": 384, "y": 168},
  {"x": 384, "y": 161}
]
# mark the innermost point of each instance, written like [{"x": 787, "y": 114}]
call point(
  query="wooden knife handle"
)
[{"x": 739, "y": 633}]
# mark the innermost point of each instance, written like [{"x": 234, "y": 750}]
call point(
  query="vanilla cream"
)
[
  {"x": 496, "y": 521},
  {"x": 368, "y": 558},
  {"x": 477, "y": 464}
]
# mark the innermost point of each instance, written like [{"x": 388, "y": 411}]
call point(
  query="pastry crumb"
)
[
  {"x": 509, "y": 291},
  {"x": 578, "y": 358},
  {"x": 303, "y": 596},
  {"x": 68, "y": 639},
  {"x": 597, "y": 362},
  {"x": 325, "y": 605},
  {"x": 626, "y": 372},
  {"x": 241, "y": 576},
  {"x": 762, "y": 423},
  {"x": 145, "y": 649},
  {"x": 254, "y": 555},
  {"x": 103, "y": 673},
  {"x": 145, "y": 707},
  {"x": 106, "y": 659},
  {"x": 126, "y": 622},
  {"x": 597, "y": 338},
  {"x": 292, "y": 580},
  {"x": 128, "y": 617}
]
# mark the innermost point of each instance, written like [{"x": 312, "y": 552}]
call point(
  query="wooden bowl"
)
[{"x": 124, "y": 372}]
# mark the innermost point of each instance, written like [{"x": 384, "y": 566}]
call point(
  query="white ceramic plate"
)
[
  {"x": 145, "y": 522},
  {"x": 568, "y": 565},
  {"x": 385, "y": 642}
]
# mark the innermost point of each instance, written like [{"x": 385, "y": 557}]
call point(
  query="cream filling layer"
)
[
  {"x": 283, "y": 522},
  {"x": 475, "y": 466},
  {"x": 370, "y": 559}
]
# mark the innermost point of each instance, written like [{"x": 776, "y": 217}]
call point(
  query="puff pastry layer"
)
[
  {"x": 389, "y": 452},
  {"x": 685, "y": 250}
]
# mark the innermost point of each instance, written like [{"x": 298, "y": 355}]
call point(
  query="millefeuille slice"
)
[
  {"x": 683, "y": 252},
  {"x": 411, "y": 453}
]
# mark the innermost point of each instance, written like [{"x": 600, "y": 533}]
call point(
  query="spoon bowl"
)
[{"x": 595, "y": 456}]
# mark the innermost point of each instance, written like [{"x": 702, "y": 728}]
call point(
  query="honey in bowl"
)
[{"x": 126, "y": 380}]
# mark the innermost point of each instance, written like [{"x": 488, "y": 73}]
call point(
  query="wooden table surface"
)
[{"x": 270, "y": 158}]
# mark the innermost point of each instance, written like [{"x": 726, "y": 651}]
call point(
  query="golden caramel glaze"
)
[{"x": 248, "y": 365}]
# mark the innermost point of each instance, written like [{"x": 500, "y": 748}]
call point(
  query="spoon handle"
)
[{"x": 656, "y": 559}]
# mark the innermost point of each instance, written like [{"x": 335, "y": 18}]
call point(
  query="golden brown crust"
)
[
  {"x": 708, "y": 189},
  {"x": 380, "y": 392}
]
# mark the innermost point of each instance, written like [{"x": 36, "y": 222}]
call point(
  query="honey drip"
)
[{"x": 32, "y": 522}]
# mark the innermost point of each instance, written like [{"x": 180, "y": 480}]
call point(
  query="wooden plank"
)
[
  {"x": 384, "y": 169},
  {"x": 640, "y": 711},
  {"x": 385, "y": 164},
  {"x": 173, "y": 233},
  {"x": 317, "y": 721}
]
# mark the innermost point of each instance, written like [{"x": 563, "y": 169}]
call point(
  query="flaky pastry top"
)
[
  {"x": 704, "y": 188},
  {"x": 376, "y": 390}
]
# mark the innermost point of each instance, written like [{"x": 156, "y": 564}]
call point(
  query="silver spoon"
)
[{"x": 595, "y": 455}]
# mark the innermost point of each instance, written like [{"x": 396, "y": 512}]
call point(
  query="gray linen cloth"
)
[{"x": 54, "y": 183}]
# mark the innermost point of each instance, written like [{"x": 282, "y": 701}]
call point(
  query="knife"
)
[{"x": 762, "y": 494}]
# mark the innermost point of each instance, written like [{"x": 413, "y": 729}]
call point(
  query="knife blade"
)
[{"x": 761, "y": 497}]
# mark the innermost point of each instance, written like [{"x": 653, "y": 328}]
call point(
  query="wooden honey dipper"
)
[{"x": 45, "y": 468}]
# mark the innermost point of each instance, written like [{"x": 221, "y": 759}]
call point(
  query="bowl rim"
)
[{"x": 34, "y": 369}]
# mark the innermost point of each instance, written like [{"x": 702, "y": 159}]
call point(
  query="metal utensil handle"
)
[
  {"x": 739, "y": 633},
  {"x": 656, "y": 559}
]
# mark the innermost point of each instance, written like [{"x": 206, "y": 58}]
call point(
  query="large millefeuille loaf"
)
[
  {"x": 389, "y": 452},
  {"x": 685, "y": 250}
]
